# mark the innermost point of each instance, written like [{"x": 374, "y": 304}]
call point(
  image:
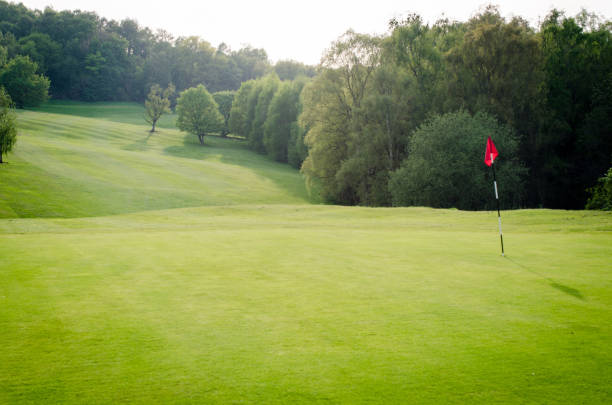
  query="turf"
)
[
  {"x": 74, "y": 166},
  {"x": 276, "y": 300}
]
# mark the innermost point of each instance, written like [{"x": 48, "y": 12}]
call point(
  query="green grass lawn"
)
[
  {"x": 74, "y": 166},
  {"x": 163, "y": 272}
]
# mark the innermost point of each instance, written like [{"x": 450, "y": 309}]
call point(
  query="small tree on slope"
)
[
  {"x": 157, "y": 104},
  {"x": 198, "y": 112}
]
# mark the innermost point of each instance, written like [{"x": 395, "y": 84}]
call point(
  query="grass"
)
[
  {"x": 74, "y": 166},
  {"x": 275, "y": 300}
]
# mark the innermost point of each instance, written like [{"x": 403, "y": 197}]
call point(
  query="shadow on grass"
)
[
  {"x": 218, "y": 148},
  {"x": 138, "y": 146},
  {"x": 568, "y": 290},
  {"x": 563, "y": 288}
]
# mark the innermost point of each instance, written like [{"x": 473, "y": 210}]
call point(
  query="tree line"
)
[
  {"x": 265, "y": 112},
  {"x": 402, "y": 119},
  {"x": 398, "y": 119},
  {"x": 90, "y": 58}
]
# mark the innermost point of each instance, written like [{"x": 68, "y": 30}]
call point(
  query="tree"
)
[
  {"x": 575, "y": 145},
  {"x": 291, "y": 70},
  {"x": 445, "y": 165},
  {"x": 224, "y": 100},
  {"x": 157, "y": 104},
  {"x": 26, "y": 88},
  {"x": 268, "y": 86},
  {"x": 198, "y": 113},
  {"x": 601, "y": 194},
  {"x": 277, "y": 128},
  {"x": 329, "y": 105},
  {"x": 238, "y": 123},
  {"x": 252, "y": 62},
  {"x": 8, "y": 127}
]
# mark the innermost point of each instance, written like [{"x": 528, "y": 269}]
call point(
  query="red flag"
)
[{"x": 491, "y": 152}]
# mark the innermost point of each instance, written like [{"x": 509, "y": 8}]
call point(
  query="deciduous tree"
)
[
  {"x": 157, "y": 104},
  {"x": 198, "y": 113},
  {"x": 8, "y": 127},
  {"x": 224, "y": 100},
  {"x": 23, "y": 84},
  {"x": 445, "y": 166}
]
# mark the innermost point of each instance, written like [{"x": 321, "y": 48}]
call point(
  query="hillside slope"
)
[{"x": 100, "y": 162}]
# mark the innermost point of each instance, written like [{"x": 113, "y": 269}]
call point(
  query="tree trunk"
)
[
  {"x": 153, "y": 128},
  {"x": 0, "y": 157},
  {"x": 201, "y": 138}
]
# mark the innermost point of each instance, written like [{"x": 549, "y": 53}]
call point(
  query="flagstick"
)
[{"x": 501, "y": 236}]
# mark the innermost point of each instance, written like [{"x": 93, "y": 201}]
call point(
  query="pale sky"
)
[{"x": 299, "y": 30}]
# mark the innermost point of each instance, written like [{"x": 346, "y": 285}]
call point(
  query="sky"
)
[{"x": 301, "y": 30}]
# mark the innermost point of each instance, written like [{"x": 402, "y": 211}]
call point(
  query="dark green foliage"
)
[
  {"x": 347, "y": 110},
  {"x": 224, "y": 100},
  {"x": 601, "y": 194},
  {"x": 575, "y": 144},
  {"x": 265, "y": 112},
  {"x": 198, "y": 113},
  {"x": 277, "y": 129},
  {"x": 23, "y": 84},
  {"x": 552, "y": 87},
  {"x": 258, "y": 110},
  {"x": 445, "y": 166},
  {"x": 8, "y": 126},
  {"x": 238, "y": 121},
  {"x": 281, "y": 122},
  {"x": 297, "y": 151},
  {"x": 91, "y": 58}
]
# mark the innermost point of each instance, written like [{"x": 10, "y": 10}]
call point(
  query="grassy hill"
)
[
  {"x": 100, "y": 161},
  {"x": 214, "y": 281}
]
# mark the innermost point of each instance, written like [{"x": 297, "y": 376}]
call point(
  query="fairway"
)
[{"x": 137, "y": 269}]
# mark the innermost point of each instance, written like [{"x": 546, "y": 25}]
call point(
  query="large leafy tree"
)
[
  {"x": 8, "y": 127},
  {"x": 497, "y": 68},
  {"x": 281, "y": 119},
  {"x": 576, "y": 144},
  {"x": 445, "y": 165},
  {"x": 198, "y": 113},
  {"x": 330, "y": 103},
  {"x": 23, "y": 84}
]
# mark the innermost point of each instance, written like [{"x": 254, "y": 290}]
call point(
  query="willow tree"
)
[{"x": 330, "y": 103}]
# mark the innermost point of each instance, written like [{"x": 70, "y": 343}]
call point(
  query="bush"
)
[
  {"x": 26, "y": 88},
  {"x": 445, "y": 166},
  {"x": 601, "y": 194}
]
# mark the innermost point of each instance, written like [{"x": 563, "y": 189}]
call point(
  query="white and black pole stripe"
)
[{"x": 501, "y": 236}]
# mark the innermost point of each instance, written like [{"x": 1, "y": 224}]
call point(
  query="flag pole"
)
[{"x": 501, "y": 236}]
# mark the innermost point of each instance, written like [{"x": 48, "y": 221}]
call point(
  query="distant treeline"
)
[
  {"x": 402, "y": 119},
  {"x": 90, "y": 58},
  {"x": 399, "y": 119}
]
